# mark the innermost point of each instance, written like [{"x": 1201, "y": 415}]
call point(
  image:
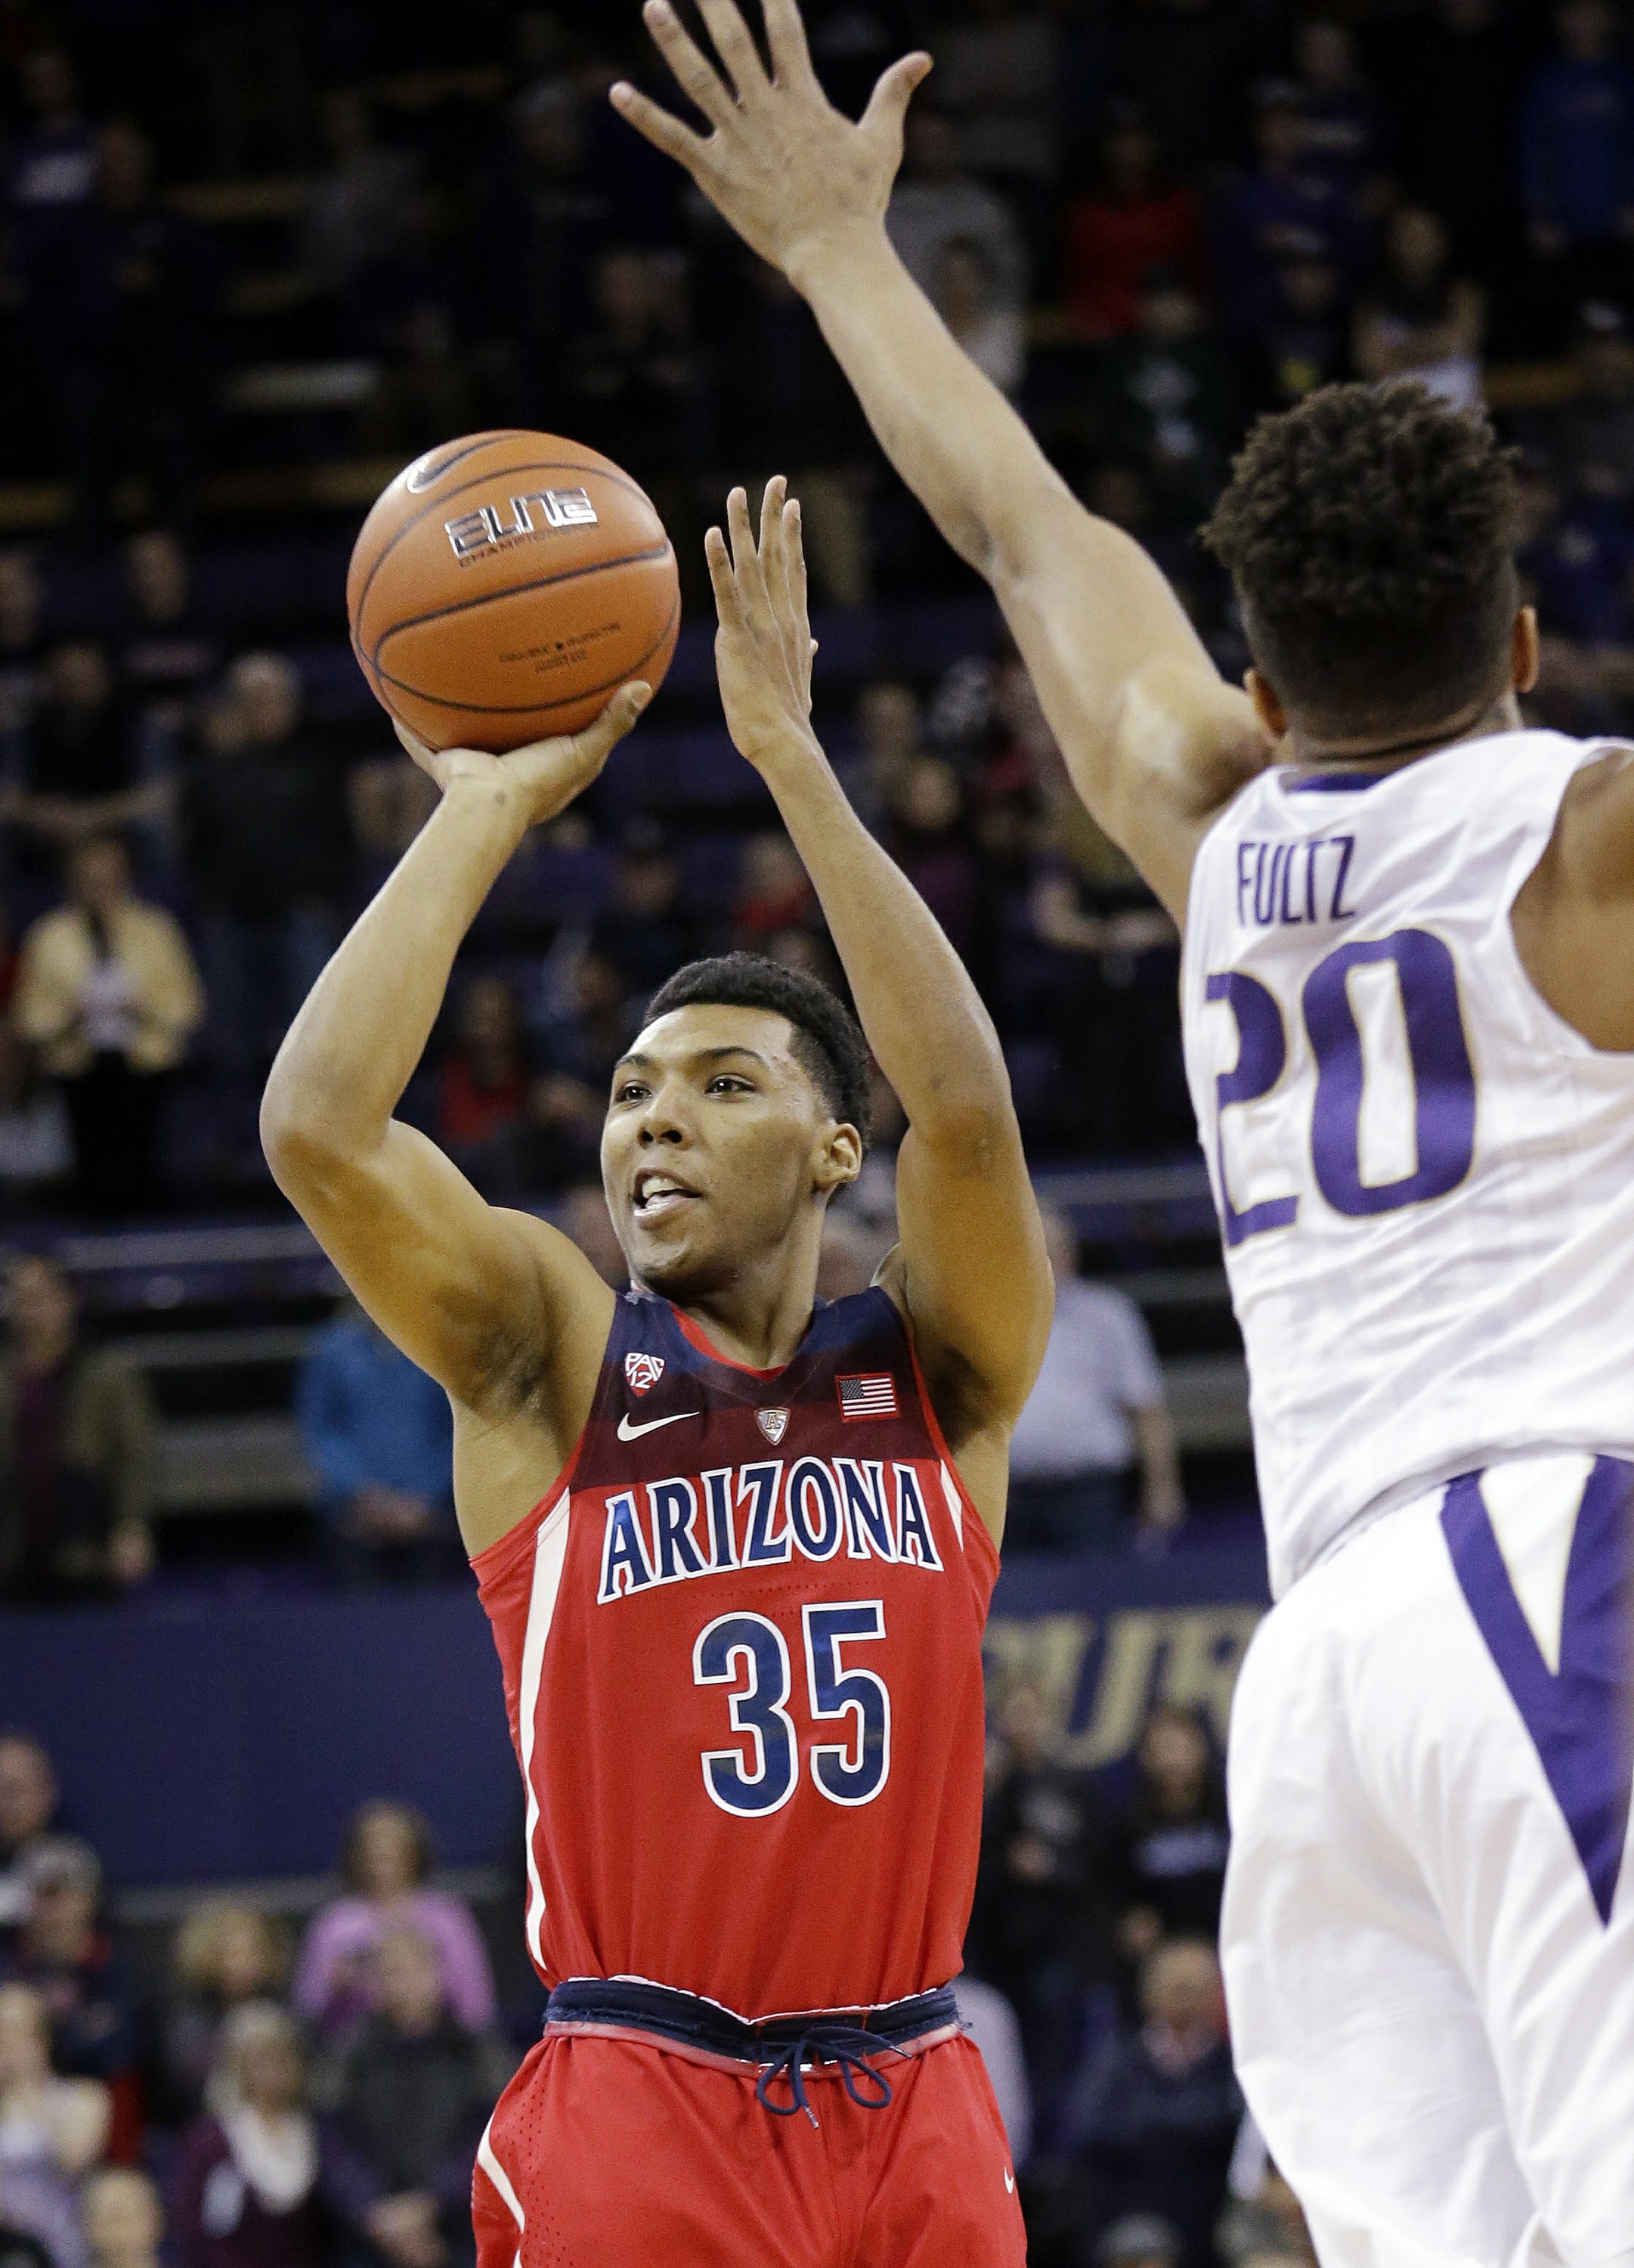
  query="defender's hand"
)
[
  {"x": 764, "y": 644},
  {"x": 782, "y": 166},
  {"x": 543, "y": 778}
]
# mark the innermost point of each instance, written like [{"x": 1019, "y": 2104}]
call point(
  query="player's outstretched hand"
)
[
  {"x": 782, "y": 165},
  {"x": 764, "y": 646},
  {"x": 543, "y": 778}
]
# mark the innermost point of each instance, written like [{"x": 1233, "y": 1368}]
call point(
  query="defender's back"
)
[{"x": 1425, "y": 1177}]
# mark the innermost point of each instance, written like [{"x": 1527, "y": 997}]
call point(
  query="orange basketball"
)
[{"x": 504, "y": 586}]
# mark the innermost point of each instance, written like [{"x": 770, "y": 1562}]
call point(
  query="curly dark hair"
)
[
  {"x": 1370, "y": 534},
  {"x": 829, "y": 1042}
]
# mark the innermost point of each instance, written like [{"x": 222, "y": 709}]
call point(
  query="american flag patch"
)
[{"x": 867, "y": 1394}]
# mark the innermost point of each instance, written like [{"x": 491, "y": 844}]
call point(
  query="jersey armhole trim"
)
[
  {"x": 494, "y": 1558},
  {"x": 973, "y": 1521}
]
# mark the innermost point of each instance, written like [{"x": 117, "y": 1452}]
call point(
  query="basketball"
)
[{"x": 504, "y": 586}]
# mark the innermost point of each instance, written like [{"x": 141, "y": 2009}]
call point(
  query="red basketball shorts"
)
[{"x": 611, "y": 2153}]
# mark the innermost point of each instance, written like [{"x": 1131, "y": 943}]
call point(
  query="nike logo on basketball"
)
[{"x": 629, "y": 1432}]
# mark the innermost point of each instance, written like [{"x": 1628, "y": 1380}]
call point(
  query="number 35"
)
[
  {"x": 1444, "y": 1082},
  {"x": 849, "y": 1771}
]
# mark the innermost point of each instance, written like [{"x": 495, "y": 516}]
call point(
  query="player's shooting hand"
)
[
  {"x": 782, "y": 165},
  {"x": 543, "y": 778},
  {"x": 763, "y": 641}
]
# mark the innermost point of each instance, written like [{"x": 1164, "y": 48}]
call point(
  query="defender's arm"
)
[
  {"x": 1155, "y": 741},
  {"x": 495, "y": 1305},
  {"x": 970, "y": 1270}
]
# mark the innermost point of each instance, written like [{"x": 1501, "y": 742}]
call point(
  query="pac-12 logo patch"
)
[
  {"x": 773, "y": 1423},
  {"x": 643, "y": 1372}
]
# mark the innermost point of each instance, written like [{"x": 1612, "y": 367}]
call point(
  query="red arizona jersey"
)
[{"x": 741, "y": 1644}]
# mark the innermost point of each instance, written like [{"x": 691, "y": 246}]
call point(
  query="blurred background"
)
[{"x": 252, "y": 258}]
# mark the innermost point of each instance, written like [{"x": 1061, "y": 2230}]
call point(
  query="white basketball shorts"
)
[{"x": 1429, "y": 1924}]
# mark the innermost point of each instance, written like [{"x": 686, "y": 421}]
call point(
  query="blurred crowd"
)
[
  {"x": 255, "y": 2086},
  {"x": 245, "y": 253}
]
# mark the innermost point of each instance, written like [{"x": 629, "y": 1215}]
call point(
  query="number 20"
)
[
  {"x": 1444, "y": 1083},
  {"x": 851, "y": 1771}
]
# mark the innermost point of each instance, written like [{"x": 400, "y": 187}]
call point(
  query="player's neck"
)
[
  {"x": 1367, "y": 751},
  {"x": 761, "y": 1317}
]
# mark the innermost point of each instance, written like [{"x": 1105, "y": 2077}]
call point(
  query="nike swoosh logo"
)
[
  {"x": 629, "y": 1432},
  {"x": 1010, "y": 2179}
]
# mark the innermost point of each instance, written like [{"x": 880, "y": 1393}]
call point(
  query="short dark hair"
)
[
  {"x": 1370, "y": 535},
  {"x": 829, "y": 1042}
]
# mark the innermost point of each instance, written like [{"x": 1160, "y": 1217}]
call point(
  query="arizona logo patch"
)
[
  {"x": 643, "y": 1372},
  {"x": 773, "y": 1423}
]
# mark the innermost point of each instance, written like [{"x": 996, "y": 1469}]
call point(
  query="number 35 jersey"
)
[
  {"x": 741, "y": 1647},
  {"x": 1425, "y": 1177}
]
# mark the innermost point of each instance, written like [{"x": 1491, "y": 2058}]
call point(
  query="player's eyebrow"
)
[{"x": 714, "y": 1055}]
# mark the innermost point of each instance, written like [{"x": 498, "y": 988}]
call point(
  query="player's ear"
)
[
  {"x": 1267, "y": 704},
  {"x": 840, "y": 1159},
  {"x": 1525, "y": 652}
]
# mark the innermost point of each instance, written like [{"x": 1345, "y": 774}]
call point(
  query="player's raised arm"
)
[
  {"x": 1155, "y": 740},
  {"x": 478, "y": 1297},
  {"x": 971, "y": 1270}
]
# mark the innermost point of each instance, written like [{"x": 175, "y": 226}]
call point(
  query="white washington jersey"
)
[{"x": 1425, "y": 1177}]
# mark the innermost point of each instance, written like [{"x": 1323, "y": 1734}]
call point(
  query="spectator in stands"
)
[
  {"x": 168, "y": 655},
  {"x": 482, "y": 1089},
  {"x": 386, "y": 1862},
  {"x": 586, "y": 1219},
  {"x": 775, "y": 893},
  {"x": 253, "y": 2179},
  {"x": 1577, "y": 148},
  {"x": 411, "y": 2095},
  {"x": 937, "y": 202},
  {"x": 79, "y": 759},
  {"x": 1454, "y": 82},
  {"x": 890, "y": 738},
  {"x": 991, "y": 329},
  {"x": 379, "y": 1435},
  {"x": 1155, "y": 2116},
  {"x": 1133, "y": 221},
  {"x": 1305, "y": 342},
  {"x": 265, "y": 843},
  {"x": 1036, "y": 1928},
  {"x": 109, "y": 993},
  {"x": 36, "y": 1142},
  {"x": 1418, "y": 318},
  {"x": 629, "y": 375},
  {"x": 991, "y": 2022},
  {"x": 1343, "y": 126},
  {"x": 1138, "y": 2240},
  {"x": 998, "y": 74},
  {"x": 927, "y": 836},
  {"x": 1166, "y": 398},
  {"x": 224, "y": 1955},
  {"x": 123, "y": 2218},
  {"x": 1263, "y": 2225},
  {"x": 28, "y": 1808},
  {"x": 645, "y": 933},
  {"x": 1590, "y": 438},
  {"x": 1096, "y": 1431},
  {"x": 586, "y": 1039},
  {"x": 53, "y": 161},
  {"x": 539, "y": 228},
  {"x": 1283, "y": 208},
  {"x": 66, "y": 1954},
  {"x": 77, "y": 1446},
  {"x": 785, "y": 402},
  {"x": 125, "y": 291},
  {"x": 354, "y": 201},
  {"x": 1186, "y": 63},
  {"x": 53, "y": 2131},
  {"x": 21, "y": 643},
  {"x": 1166, "y": 1850}
]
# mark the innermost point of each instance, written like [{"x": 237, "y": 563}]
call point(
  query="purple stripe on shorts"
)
[{"x": 1581, "y": 1720}]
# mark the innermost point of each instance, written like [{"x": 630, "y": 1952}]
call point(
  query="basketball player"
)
[
  {"x": 737, "y": 1548},
  {"x": 1409, "y": 1006}
]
